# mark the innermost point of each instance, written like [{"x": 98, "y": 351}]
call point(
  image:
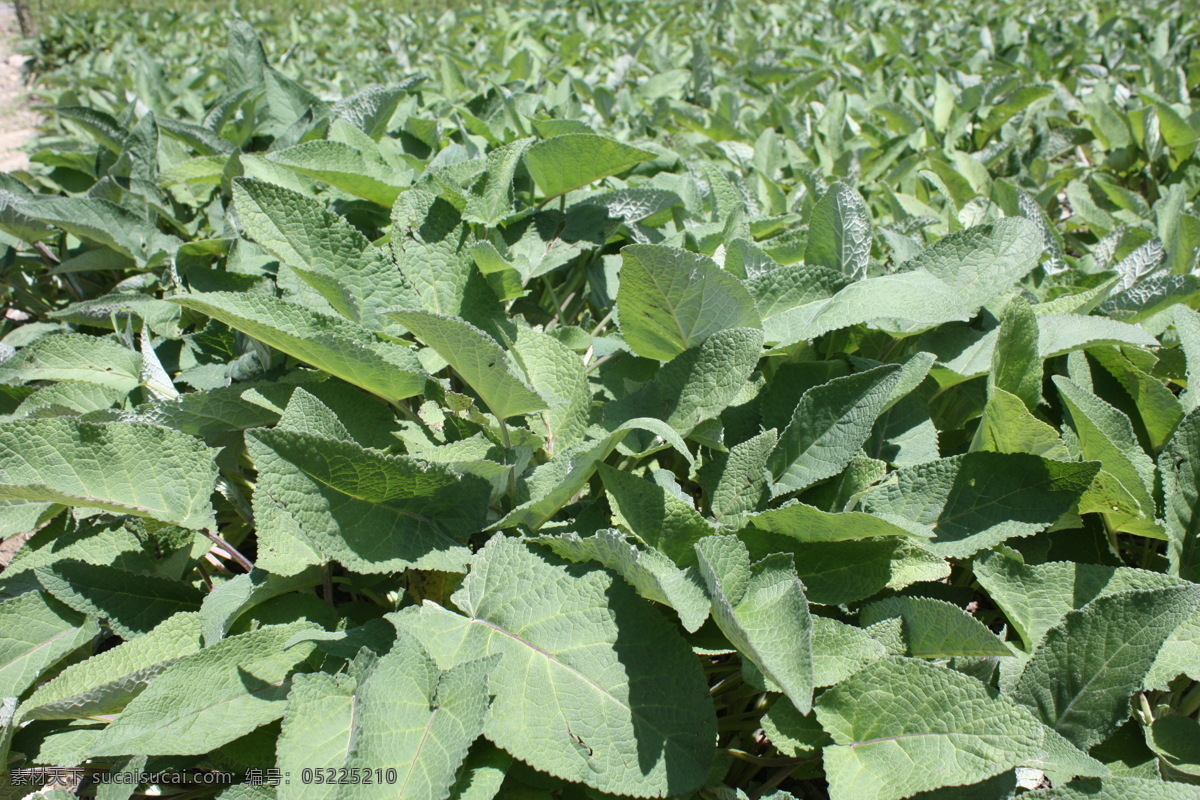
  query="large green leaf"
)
[
  {"x": 75, "y": 357},
  {"x": 983, "y": 262},
  {"x": 1081, "y": 676},
  {"x": 303, "y": 235},
  {"x": 975, "y": 501},
  {"x": 697, "y": 384},
  {"x": 38, "y": 631},
  {"x": 321, "y": 499},
  {"x": 628, "y": 711},
  {"x": 904, "y": 303},
  {"x": 124, "y": 468},
  {"x": 935, "y": 629},
  {"x": 338, "y": 346},
  {"x": 403, "y": 714},
  {"x": 130, "y": 603},
  {"x": 210, "y": 698},
  {"x": 106, "y": 682},
  {"x": 1179, "y": 466},
  {"x": 1106, "y": 435},
  {"x": 901, "y": 726},
  {"x": 671, "y": 300}
]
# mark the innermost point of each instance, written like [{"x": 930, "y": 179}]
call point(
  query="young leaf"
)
[
  {"x": 475, "y": 356},
  {"x": 657, "y": 517},
  {"x": 1016, "y": 361},
  {"x": 75, "y": 357},
  {"x": 762, "y": 610},
  {"x": 831, "y": 422}
]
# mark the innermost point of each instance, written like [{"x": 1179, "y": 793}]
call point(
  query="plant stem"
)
[
  {"x": 508, "y": 456},
  {"x": 242, "y": 561}
]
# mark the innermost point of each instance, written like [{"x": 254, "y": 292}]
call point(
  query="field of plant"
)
[{"x": 608, "y": 399}]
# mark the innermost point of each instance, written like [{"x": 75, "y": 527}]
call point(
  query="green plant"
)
[{"x": 559, "y": 426}]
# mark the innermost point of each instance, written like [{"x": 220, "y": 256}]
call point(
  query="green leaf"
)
[
  {"x": 743, "y": 481},
  {"x": 38, "y": 631},
  {"x": 1008, "y": 426},
  {"x": 340, "y": 347},
  {"x": 975, "y": 501},
  {"x": 1080, "y": 678},
  {"x": 840, "y": 650},
  {"x": 316, "y": 731},
  {"x": 630, "y": 713},
  {"x": 302, "y": 234},
  {"x": 983, "y": 262},
  {"x": 435, "y": 250},
  {"x": 1179, "y": 466},
  {"x": 904, "y": 303},
  {"x": 557, "y": 374},
  {"x": 651, "y": 574},
  {"x": 1035, "y": 597},
  {"x": 551, "y": 485},
  {"x": 1106, "y": 435},
  {"x": 839, "y": 232},
  {"x": 409, "y": 716},
  {"x": 373, "y": 512},
  {"x": 671, "y": 300},
  {"x": 344, "y": 167},
  {"x": 75, "y": 357},
  {"x": 1016, "y": 363},
  {"x": 224, "y": 604},
  {"x": 696, "y": 385},
  {"x": 902, "y": 726},
  {"x": 831, "y": 422},
  {"x": 1121, "y": 789},
  {"x": 762, "y": 610},
  {"x": 656, "y": 516},
  {"x": 562, "y": 164},
  {"x": 936, "y": 629},
  {"x": 209, "y": 698},
  {"x": 1176, "y": 740},
  {"x": 491, "y": 198},
  {"x": 475, "y": 356},
  {"x": 131, "y": 603},
  {"x": 807, "y": 524},
  {"x": 124, "y": 468},
  {"x": 105, "y": 683}
]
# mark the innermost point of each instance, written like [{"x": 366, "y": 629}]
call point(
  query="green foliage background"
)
[{"x": 607, "y": 399}]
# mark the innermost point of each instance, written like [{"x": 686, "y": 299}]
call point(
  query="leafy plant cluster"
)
[{"x": 609, "y": 400}]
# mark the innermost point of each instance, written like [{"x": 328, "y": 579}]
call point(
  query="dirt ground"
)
[{"x": 16, "y": 120}]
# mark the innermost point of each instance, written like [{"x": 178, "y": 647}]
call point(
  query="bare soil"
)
[{"x": 17, "y": 121}]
